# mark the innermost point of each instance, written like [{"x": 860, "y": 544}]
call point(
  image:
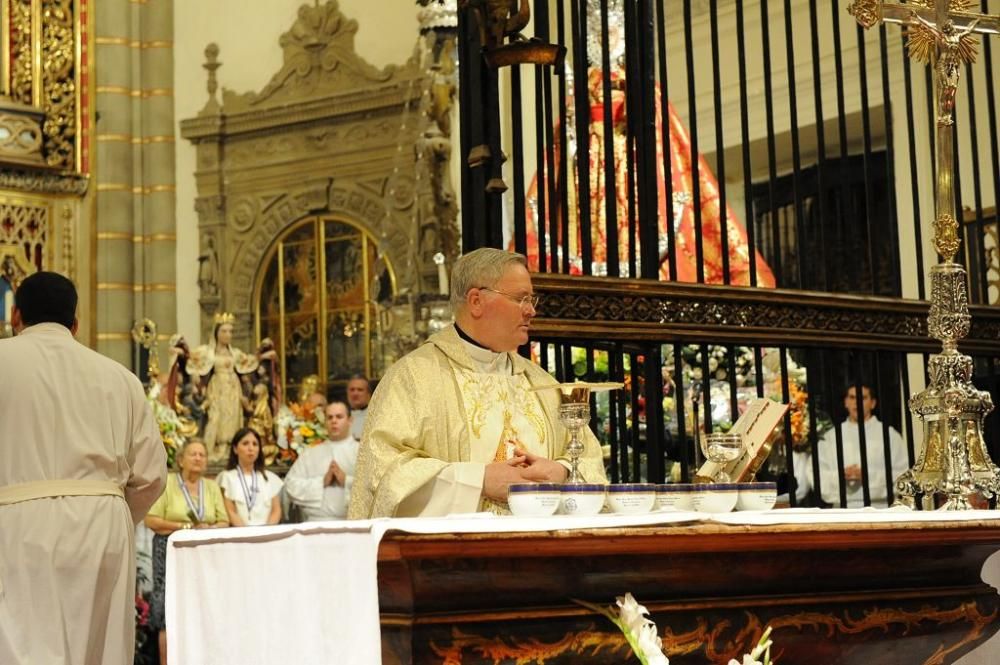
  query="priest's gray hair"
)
[{"x": 481, "y": 267}]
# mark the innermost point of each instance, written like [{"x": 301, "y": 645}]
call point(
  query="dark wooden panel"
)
[
  {"x": 849, "y": 592},
  {"x": 574, "y": 307}
]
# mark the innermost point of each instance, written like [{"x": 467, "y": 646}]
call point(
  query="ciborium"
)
[{"x": 574, "y": 414}]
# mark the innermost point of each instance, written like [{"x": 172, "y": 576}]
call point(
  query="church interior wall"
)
[{"x": 251, "y": 54}]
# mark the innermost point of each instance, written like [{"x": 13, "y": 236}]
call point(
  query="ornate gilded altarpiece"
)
[
  {"x": 323, "y": 194},
  {"x": 45, "y": 125}
]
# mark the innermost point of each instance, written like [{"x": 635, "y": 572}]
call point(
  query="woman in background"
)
[
  {"x": 251, "y": 494},
  {"x": 189, "y": 501}
]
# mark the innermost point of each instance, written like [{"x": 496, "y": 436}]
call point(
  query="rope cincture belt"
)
[{"x": 45, "y": 489}]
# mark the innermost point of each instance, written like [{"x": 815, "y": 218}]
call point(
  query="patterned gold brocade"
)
[
  {"x": 418, "y": 424},
  {"x": 503, "y": 415}
]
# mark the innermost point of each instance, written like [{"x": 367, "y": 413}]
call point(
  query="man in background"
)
[
  {"x": 359, "y": 392},
  {"x": 320, "y": 480},
  {"x": 880, "y": 487},
  {"x": 81, "y": 461}
]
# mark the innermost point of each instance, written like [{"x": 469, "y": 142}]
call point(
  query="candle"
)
[
  {"x": 8, "y": 304},
  {"x": 442, "y": 274}
]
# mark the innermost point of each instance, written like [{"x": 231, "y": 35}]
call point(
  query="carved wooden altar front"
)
[{"x": 833, "y": 593}]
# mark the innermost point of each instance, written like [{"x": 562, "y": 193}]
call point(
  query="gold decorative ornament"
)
[
  {"x": 224, "y": 317},
  {"x": 144, "y": 334},
  {"x": 953, "y": 460}
]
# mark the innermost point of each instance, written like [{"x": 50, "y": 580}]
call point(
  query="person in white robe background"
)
[
  {"x": 359, "y": 393},
  {"x": 320, "y": 480},
  {"x": 829, "y": 468},
  {"x": 81, "y": 461}
]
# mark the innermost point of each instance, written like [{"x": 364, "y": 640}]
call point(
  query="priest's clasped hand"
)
[{"x": 523, "y": 467}]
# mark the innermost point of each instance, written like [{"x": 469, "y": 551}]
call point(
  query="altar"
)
[{"x": 836, "y": 586}]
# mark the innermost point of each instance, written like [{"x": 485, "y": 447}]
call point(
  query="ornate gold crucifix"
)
[
  {"x": 953, "y": 460},
  {"x": 939, "y": 32}
]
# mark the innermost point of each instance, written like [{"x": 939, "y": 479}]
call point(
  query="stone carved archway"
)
[{"x": 321, "y": 138}]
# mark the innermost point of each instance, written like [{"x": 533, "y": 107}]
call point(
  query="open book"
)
[{"x": 756, "y": 425}]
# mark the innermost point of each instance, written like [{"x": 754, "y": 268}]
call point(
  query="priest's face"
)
[
  {"x": 507, "y": 309},
  {"x": 338, "y": 422}
]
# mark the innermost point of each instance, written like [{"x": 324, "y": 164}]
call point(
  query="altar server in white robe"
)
[
  {"x": 81, "y": 461},
  {"x": 829, "y": 468},
  {"x": 457, "y": 421},
  {"x": 320, "y": 480}
]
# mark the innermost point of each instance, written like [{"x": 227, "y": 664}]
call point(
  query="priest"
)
[{"x": 457, "y": 421}]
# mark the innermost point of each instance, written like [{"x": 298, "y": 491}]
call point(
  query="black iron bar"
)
[
  {"x": 720, "y": 144},
  {"x": 846, "y": 213},
  {"x": 890, "y": 175},
  {"x": 793, "y": 115},
  {"x": 581, "y": 103},
  {"x": 978, "y": 269},
  {"x": 517, "y": 156},
  {"x": 699, "y": 240},
  {"x": 748, "y": 214},
  {"x": 562, "y": 183},
  {"x": 862, "y": 438},
  {"x": 789, "y": 441},
  {"x": 542, "y": 165},
  {"x": 655, "y": 459},
  {"x": 823, "y": 262},
  {"x": 645, "y": 142},
  {"x": 991, "y": 110},
  {"x": 866, "y": 157},
  {"x": 632, "y": 114},
  {"x": 911, "y": 138},
  {"x": 772, "y": 168},
  {"x": 911, "y": 435},
  {"x": 886, "y": 439},
  {"x": 680, "y": 393},
  {"x": 610, "y": 184},
  {"x": 664, "y": 100}
]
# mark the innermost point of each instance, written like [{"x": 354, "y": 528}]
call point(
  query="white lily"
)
[{"x": 641, "y": 633}]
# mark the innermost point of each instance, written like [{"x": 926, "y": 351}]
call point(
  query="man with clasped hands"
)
[{"x": 454, "y": 423}]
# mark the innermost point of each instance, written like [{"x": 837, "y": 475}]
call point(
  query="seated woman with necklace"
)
[
  {"x": 189, "y": 501},
  {"x": 251, "y": 493}
]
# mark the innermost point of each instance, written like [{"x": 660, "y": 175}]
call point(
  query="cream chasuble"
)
[{"x": 440, "y": 415}]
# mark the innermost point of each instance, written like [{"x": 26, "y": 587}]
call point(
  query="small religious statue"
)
[
  {"x": 262, "y": 421},
  {"x": 954, "y": 50},
  {"x": 208, "y": 269},
  {"x": 215, "y": 371}
]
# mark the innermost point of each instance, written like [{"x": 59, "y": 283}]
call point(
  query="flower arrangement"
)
[
  {"x": 644, "y": 639},
  {"x": 171, "y": 427},
  {"x": 298, "y": 427},
  {"x": 746, "y": 380}
]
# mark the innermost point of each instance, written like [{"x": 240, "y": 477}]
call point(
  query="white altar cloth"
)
[{"x": 307, "y": 593}]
